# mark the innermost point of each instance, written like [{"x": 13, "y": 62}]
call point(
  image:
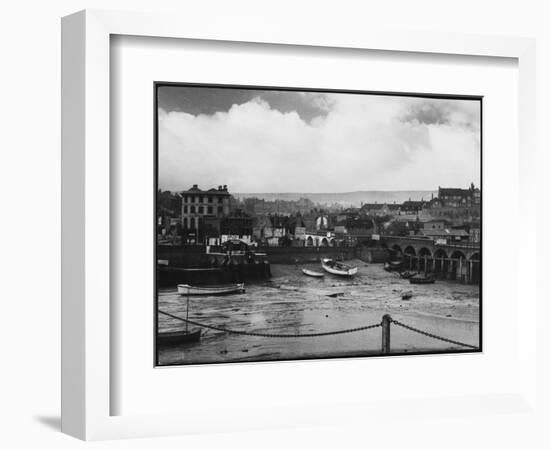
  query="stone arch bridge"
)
[
  {"x": 458, "y": 261},
  {"x": 319, "y": 239}
]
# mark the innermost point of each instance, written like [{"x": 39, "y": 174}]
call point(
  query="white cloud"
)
[{"x": 361, "y": 144}]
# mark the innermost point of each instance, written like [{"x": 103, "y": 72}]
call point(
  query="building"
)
[
  {"x": 413, "y": 206},
  {"x": 236, "y": 226},
  {"x": 196, "y": 205},
  {"x": 457, "y": 205},
  {"x": 380, "y": 209},
  {"x": 458, "y": 198}
]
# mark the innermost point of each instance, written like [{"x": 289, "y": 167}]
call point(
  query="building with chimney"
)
[{"x": 199, "y": 206}]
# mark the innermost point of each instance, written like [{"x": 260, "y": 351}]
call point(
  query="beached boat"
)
[
  {"x": 421, "y": 280},
  {"x": 338, "y": 268},
  {"x": 312, "y": 273},
  {"x": 220, "y": 289},
  {"x": 407, "y": 274},
  {"x": 178, "y": 337},
  {"x": 392, "y": 265}
]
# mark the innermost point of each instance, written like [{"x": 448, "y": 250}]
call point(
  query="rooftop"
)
[{"x": 222, "y": 190}]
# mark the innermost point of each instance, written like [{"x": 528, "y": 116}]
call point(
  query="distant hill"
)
[{"x": 345, "y": 198}]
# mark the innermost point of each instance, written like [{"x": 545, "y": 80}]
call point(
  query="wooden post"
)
[{"x": 386, "y": 322}]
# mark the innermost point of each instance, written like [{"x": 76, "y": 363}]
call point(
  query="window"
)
[
  {"x": 220, "y": 200},
  {"x": 201, "y": 210},
  {"x": 209, "y": 210},
  {"x": 220, "y": 209},
  {"x": 185, "y": 209},
  {"x": 192, "y": 209},
  {"x": 200, "y": 199},
  {"x": 210, "y": 199},
  {"x": 184, "y": 199}
]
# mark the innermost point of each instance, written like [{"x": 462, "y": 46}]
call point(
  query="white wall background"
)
[{"x": 30, "y": 190}]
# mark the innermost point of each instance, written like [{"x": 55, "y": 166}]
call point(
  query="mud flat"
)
[{"x": 291, "y": 303}]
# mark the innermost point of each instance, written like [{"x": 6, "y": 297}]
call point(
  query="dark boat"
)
[
  {"x": 406, "y": 295},
  {"x": 178, "y": 337},
  {"x": 421, "y": 280}
]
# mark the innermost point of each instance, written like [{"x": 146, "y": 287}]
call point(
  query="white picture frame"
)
[{"x": 86, "y": 247}]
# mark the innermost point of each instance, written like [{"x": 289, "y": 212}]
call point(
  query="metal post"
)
[
  {"x": 187, "y": 313},
  {"x": 386, "y": 322}
]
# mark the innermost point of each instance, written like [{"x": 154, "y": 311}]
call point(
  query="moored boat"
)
[
  {"x": 312, "y": 273},
  {"x": 406, "y": 295},
  {"x": 338, "y": 268},
  {"x": 407, "y": 274},
  {"x": 222, "y": 289},
  {"x": 178, "y": 337},
  {"x": 421, "y": 280}
]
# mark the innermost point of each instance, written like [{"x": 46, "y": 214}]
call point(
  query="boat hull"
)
[
  {"x": 339, "y": 269},
  {"x": 186, "y": 289},
  {"x": 178, "y": 337},
  {"x": 312, "y": 273}
]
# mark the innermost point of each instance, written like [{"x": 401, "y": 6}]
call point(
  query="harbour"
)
[{"x": 291, "y": 302}]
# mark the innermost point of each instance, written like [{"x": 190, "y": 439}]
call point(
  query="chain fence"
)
[
  {"x": 272, "y": 335},
  {"x": 326, "y": 333},
  {"x": 433, "y": 336}
]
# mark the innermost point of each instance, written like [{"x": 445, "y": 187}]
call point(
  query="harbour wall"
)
[{"x": 189, "y": 256}]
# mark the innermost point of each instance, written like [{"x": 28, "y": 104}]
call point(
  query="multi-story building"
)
[
  {"x": 196, "y": 205},
  {"x": 457, "y": 205},
  {"x": 458, "y": 198}
]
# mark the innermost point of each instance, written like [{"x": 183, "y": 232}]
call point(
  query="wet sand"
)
[{"x": 294, "y": 303}]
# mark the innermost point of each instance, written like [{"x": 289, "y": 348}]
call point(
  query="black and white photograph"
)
[{"x": 297, "y": 224}]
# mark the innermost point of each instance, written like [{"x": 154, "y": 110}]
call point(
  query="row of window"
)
[
  {"x": 200, "y": 199},
  {"x": 201, "y": 209}
]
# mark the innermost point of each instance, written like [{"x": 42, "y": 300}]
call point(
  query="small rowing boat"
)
[
  {"x": 406, "y": 295},
  {"x": 178, "y": 337},
  {"x": 407, "y": 274},
  {"x": 338, "y": 268},
  {"x": 220, "y": 289},
  {"x": 312, "y": 273},
  {"x": 421, "y": 280}
]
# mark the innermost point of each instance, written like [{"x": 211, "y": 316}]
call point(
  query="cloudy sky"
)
[{"x": 290, "y": 141}]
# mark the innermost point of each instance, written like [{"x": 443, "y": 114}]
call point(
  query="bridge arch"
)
[
  {"x": 423, "y": 254},
  {"x": 396, "y": 251},
  {"x": 410, "y": 257},
  {"x": 441, "y": 262},
  {"x": 457, "y": 254},
  {"x": 409, "y": 250},
  {"x": 309, "y": 241},
  {"x": 459, "y": 268},
  {"x": 324, "y": 242},
  {"x": 332, "y": 242}
]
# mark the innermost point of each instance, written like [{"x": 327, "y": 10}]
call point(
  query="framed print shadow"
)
[{"x": 308, "y": 223}]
